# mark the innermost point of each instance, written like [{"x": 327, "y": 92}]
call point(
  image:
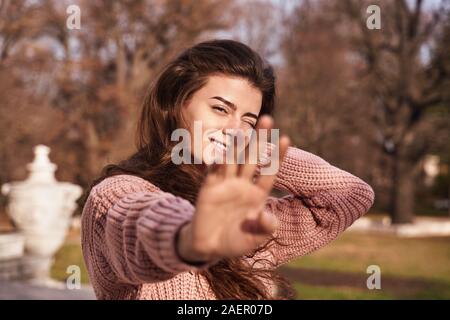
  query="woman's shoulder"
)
[{"x": 112, "y": 189}]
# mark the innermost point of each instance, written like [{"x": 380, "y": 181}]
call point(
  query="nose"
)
[{"x": 232, "y": 128}]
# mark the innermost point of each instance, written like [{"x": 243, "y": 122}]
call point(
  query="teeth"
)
[{"x": 219, "y": 145}]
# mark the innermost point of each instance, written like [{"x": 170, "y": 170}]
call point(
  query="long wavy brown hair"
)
[{"x": 161, "y": 114}]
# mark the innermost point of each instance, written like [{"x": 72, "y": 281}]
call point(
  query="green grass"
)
[
  {"x": 422, "y": 262},
  {"x": 69, "y": 254},
  {"x": 410, "y": 268},
  {"x": 432, "y": 290},
  {"x": 427, "y": 258},
  {"x": 309, "y": 292}
]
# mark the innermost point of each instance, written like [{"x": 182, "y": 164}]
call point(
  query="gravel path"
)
[{"x": 22, "y": 291}]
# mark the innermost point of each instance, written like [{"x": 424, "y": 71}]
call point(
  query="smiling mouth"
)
[{"x": 219, "y": 145}]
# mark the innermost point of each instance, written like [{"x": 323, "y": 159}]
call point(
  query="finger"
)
[
  {"x": 215, "y": 172},
  {"x": 265, "y": 122},
  {"x": 247, "y": 170},
  {"x": 260, "y": 228},
  {"x": 268, "y": 222},
  {"x": 231, "y": 167},
  {"x": 257, "y": 144},
  {"x": 266, "y": 181},
  {"x": 285, "y": 142},
  {"x": 265, "y": 125}
]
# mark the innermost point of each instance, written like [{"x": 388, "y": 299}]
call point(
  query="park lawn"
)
[
  {"x": 313, "y": 292},
  {"x": 410, "y": 268},
  {"x": 427, "y": 258},
  {"x": 69, "y": 254}
]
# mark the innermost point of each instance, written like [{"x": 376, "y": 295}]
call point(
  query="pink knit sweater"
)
[{"x": 129, "y": 227}]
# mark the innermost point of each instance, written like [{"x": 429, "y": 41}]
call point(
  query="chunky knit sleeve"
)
[
  {"x": 135, "y": 229},
  {"x": 324, "y": 200}
]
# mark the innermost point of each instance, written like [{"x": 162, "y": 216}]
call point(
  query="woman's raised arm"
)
[{"x": 324, "y": 200}]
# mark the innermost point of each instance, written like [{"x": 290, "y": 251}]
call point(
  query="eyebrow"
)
[{"x": 233, "y": 106}]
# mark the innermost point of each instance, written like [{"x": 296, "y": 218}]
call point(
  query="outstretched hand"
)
[{"x": 230, "y": 219}]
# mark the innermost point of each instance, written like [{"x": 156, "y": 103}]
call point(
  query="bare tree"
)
[
  {"x": 85, "y": 85},
  {"x": 320, "y": 105},
  {"x": 406, "y": 86}
]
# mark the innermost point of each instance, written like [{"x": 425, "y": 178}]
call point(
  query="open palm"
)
[{"x": 230, "y": 219}]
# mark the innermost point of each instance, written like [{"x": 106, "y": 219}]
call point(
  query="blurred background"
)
[{"x": 374, "y": 102}]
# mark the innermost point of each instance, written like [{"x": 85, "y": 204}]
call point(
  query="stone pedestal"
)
[
  {"x": 11, "y": 252},
  {"x": 11, "y": 245},
  {"x": 15, "y": 265}
]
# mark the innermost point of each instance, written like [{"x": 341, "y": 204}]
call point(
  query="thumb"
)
[{"x": 268, "y": 222}]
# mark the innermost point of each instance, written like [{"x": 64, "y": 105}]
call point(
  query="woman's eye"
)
[
  {"x": 220, "y": 109},
  {"x": 251, "y": 124}
]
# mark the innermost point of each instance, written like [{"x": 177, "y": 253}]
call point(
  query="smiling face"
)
[{"x": 223, "y": 106}]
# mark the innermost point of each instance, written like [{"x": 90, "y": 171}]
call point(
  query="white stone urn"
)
[{"x": 41, "y": 209}]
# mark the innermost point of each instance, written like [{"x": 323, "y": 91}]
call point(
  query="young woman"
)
[{"x": 153, "y": 229}]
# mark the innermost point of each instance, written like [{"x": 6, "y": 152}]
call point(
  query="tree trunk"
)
[
  {"x": 403, "y": 198},
  {"x": 93, "y": 147}
]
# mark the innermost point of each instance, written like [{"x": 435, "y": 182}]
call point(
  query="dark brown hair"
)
[{"x": 161, "y": 115}]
